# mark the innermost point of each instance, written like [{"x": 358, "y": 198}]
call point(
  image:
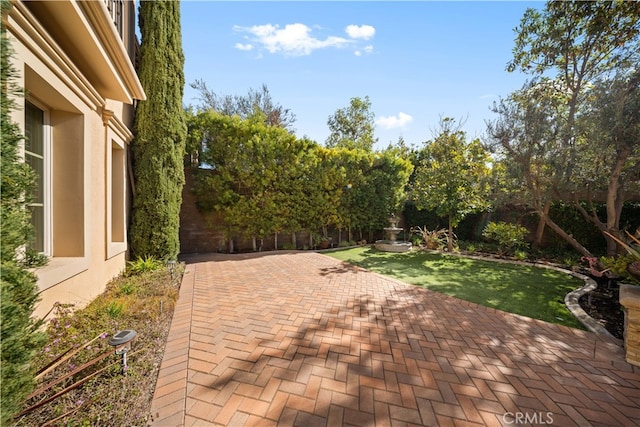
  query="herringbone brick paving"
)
[{"x": 302, "y": 339}]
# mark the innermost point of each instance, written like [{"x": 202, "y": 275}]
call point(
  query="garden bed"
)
[
  {"x": 603, "y": 305},
  {"x": 143, "y": 302}
]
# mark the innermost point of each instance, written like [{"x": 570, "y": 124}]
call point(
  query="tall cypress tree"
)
[
  {"x": 19, "y": 337},
  {"x": 160, "y": 134}
]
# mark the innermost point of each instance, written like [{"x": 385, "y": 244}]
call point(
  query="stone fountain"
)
[{"x": 392, "y": 244}]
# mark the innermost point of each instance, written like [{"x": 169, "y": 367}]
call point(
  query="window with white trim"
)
[
  {"x": 37, "y": 154},
  {"x": 117, "y": 193}
]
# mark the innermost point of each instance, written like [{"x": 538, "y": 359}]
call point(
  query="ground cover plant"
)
[
  {"x": 526, "y": 290},
  {"x": 142, "y": 299}
]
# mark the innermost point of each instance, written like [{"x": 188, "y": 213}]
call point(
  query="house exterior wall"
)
[{"x": 77, "y": 68}]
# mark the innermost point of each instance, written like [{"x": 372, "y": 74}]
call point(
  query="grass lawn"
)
[{"x": 529, "y": 291}]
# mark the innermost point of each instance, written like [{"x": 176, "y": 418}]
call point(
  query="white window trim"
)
[
  {"x": 47, "y": 172},
  {"x": 113, "y": 247},
  {"x": 118, "y": 134}
]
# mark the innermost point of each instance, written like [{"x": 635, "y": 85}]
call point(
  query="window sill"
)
[
  {"x": 115, "y": 248},
  {"x": 58, "y": 270}
]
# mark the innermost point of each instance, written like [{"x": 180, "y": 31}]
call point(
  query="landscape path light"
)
[
  {"x": 172, "y": 266},
  {"x": 122, "y": 342}
]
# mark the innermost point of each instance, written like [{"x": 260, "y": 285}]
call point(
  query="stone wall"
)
[
  {"x": 630, "y": 300},
  {"x": 196, "y": 233}
]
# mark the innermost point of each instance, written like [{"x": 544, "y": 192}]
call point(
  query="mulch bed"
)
[{"x": 604, "y": 306}]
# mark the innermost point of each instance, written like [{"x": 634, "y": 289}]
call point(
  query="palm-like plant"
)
[{"x": 432, "y": 239}]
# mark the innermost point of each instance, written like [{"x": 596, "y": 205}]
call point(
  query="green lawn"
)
[{"x": 530, "y": 291}]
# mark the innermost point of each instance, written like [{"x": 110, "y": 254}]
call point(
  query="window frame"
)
[{"x": 47, "y": 232}]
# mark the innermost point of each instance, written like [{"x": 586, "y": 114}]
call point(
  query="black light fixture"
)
[{"x": 122, "y": 342}]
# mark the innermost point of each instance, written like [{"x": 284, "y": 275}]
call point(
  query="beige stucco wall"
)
[{"x": 89, "y": 134}]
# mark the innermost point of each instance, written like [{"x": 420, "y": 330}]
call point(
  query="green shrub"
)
[
  {"x": 19, "y": 335},
  {"x": 619, "y": 266},
  {"x": 143, "y": 265},
  {"x": 128, "y": 288},
  {"x": 509, "y": 237},
  {"x": 33, "y": 259},
  {"x": 432, "y": 239},
  {"x": 469, "y": 247},
  {"x": 115, "y": 309},
  {"x": 520, "y": 255},
  {"x": 160, "y": 134}
]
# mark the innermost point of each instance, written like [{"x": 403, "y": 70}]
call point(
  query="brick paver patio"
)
[{"x": 302, "y": 339}]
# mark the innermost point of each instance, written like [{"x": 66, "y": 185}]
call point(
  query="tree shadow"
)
[
  {"x": 345, "y": 267},
  {"x": 372, "y": 345},
  {"x": 218, "y": 256},
  {"x": 526, "y": 290},
  {"x": 400, "y": 347}
]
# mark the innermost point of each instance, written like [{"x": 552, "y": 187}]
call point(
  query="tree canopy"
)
[
  {"x": 264, "y": 180},
  {"x": 255, "y": 104},
  {"x": 571, "y": 49},
  {"x": 452, "y": 178},
  {"x": 353, "y": 126}
]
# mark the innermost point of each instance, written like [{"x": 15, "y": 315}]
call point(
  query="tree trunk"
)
[
  {"x": 540, "y": 210},
  {"x": 537, "y": 243},
  {"x": 294, "y": 243},
  {"x": 275, "y": 241},
  {"x": 615, "y": 201},
  {"x": 255, "y": 244},
  {"x": 563, "y": 234},
  {"x": 450, "y": 235},
  {"x": 614, "y": 204}
]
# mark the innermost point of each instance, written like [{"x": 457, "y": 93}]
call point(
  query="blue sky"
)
[{"x": 416, "y": 61}]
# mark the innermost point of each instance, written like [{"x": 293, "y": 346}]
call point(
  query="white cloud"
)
[
  {"x": 293, "y": 39},
  {"x": 392, "y": 122},
  {"x": 241, "y": 46},
  {"x": 364, "y": 32},
  {"x": 366, "y": 50}
]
